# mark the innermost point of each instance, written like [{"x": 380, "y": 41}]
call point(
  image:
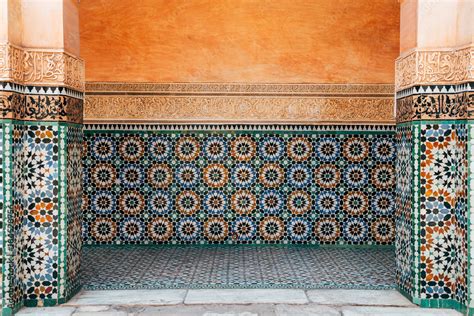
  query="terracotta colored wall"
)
[{"x": 284, "y": 41}]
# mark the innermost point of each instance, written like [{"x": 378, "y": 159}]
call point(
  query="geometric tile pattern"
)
[
  {"x": 237, "y": 266},
  {"x": 432, "y": 216},
  {"x": 73, "y": 252},
  {"x": 36, "y": 205},
  {"x": 41, "y": 208},
  {"x": 404, "y": 221},
  {"x": 470, "y": 216},
  {"x": 234, "y": 186},
  {"x": 443, "y": 246}
]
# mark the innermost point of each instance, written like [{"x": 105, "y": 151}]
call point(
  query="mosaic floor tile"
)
[{"x": 237, "y": 266}]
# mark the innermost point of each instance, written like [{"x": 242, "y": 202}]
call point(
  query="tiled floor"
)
[{"x": 237, "y": 266}]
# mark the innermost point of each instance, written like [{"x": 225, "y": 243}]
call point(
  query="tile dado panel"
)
[
  {"x": 433, "y": 212},
  {"x": 238, "y": 184},
  {"x": 41, "y": 194},
  {"x": 41, "y": 173}
]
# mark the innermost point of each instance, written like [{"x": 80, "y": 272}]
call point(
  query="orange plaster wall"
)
[{"x": 281, "y": 41}]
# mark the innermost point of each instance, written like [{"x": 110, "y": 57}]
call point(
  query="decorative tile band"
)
[
  {"x": 40, "y": 67},
  {"x": 436, "y": 89},
  {"x": 238, "y": 103},
  {"x": 40, "y": 90},
  {"x": 238, "y": 186},
  {"x": 238, "y": 127},
  {"x": 428, "y": 67}
]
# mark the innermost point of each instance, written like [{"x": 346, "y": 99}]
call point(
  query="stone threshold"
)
[{"x": 238, "y": 302}]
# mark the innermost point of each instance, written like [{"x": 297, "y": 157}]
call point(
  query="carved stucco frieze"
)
[
  {"x": 237, "y": 109},
  {"x": 11, "y": 63},
  {"x": 436, "y": 107},
  {"x": 40, "y": 67},
  {"x": 421, "y": 67},
  {"x": 240, "y": 88},
  {"x": 36, "y": 107}
]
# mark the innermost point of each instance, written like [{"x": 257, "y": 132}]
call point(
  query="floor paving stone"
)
[
  {"x": 246, "y": 296},
  {"x": 128, "y": 297},
  {"x": 305, "y": 310},
  {"x": 232, "y": 303},
  {"x": 397, "y": 311},
  {"x": 209, "y": 310},
  {"x": 49, "y": 311},
  {"x": 358, "y": 297}
]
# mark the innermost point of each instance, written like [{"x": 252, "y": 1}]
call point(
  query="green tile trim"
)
[
  {"x": 7, "y": 126},
  {"x": 449, "y": 303},
  {"x": 438, "y": 303},
  {"x": 7, "y": 143},
  {"x": 7, "y": 311},
  {"x": 70, "y": 295},
  {"x": 62, "y": 206},
  {"x": 50, "y": 302},
  {"x": 41, "y": 303},
  {"x": 417, "y": 205}
]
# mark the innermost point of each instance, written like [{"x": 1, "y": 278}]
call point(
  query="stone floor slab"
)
[
  {"x": 246, "y": 296},
  {"x": 128, "y": 297},
  {"x": 103, "y": 313},
  {"x": 50, "y": 311},
  {"x": 208, "y": 310},
  {"x": 304, "y": 310},
  {"x": 358, "y": 297},
  {"x": 397, "y": 311}
]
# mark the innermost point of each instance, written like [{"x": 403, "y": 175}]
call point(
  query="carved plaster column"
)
[
  {"x": 41, "y": 101},
  {"x": 435, "y": 94}
]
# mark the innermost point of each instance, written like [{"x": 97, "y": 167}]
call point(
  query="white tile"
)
[
  {"x": 129, "y": 297},
  {"x": 246, "y": 296},
  {"x": 358, "y": 297},
  {"x": 397, "y": 311},
  {"x": 50, "y": 311}
]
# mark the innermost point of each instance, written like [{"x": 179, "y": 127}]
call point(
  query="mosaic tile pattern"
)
[
  {"x": 443, "y": 211},
  {"x": 432, "y": 213},
  {"x": 470, "y": 217},
  {"x": 403, "y": 211},
  {"x": 16, "y": 273},
  {"x": 237, "y": 266},
  {"x": 73, "y": 252},
  {"x": 37, "y": 207},
  {"x": 36, "y": 230},
  {"x": 11, "y": 262},
  {"x": 239, "y": 187}
]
